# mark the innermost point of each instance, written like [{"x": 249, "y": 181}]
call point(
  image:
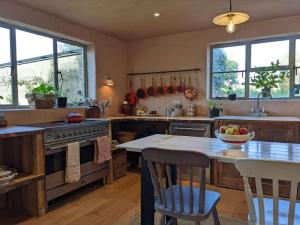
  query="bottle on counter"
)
[{"x": 191, "y": 110}]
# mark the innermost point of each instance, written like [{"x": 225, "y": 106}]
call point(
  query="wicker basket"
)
[
  {"x": 119, "y": 163},
  {"x": 41, "y": 101}
]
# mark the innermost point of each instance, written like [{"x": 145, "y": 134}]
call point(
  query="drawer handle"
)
[{"x": 189, "y": 128}]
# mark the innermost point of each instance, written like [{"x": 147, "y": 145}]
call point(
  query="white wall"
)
[
  {"x": 190, "y": 50},
  {"x": 108, "y": 53}
]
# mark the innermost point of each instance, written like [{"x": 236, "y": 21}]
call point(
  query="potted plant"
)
[
  {"x": 267, "y": 78},
  {"x": 214, "y": 108},
  {"x": 41, "y": 96},
  {"x": 62, "y": 99},
  {"x": 231, "y": 93}
]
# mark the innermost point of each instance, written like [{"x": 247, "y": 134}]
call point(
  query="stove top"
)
[
  {"x": 64, "y": 125},
  {"x": 63, "y": 132}
]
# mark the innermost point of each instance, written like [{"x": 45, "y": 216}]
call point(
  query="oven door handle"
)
[{"x": 53, "y": 149}]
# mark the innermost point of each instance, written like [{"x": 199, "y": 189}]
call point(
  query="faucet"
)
[{"x": 258, "y": 110}]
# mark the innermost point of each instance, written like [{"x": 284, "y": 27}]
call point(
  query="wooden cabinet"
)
[
  {"x": 226, "y": 175},
  {"x": 22, "y": 148},
  {"x": 268, "y": 131}
]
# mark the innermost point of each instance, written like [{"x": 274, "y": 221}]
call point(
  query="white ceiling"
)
[{"x": 133, "y": 19}]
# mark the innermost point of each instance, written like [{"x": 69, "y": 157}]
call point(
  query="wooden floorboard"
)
[{"x": 119, "y": 204}]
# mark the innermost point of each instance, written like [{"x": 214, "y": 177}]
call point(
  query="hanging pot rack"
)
[{"x": 163, "y": 72}]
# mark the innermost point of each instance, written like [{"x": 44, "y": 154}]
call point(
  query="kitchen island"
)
[{"x": 212, "y": 147}]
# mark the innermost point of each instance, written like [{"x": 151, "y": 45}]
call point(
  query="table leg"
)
[{"x": 147, "y": 195}]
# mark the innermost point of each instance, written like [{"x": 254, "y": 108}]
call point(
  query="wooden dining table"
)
[{"x": 212, "y": 147}]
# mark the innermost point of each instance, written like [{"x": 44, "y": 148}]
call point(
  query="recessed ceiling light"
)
[{"x": 156, "y": 14}]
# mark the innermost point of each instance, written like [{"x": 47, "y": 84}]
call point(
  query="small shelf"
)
[{"x": 20, "y": 180}]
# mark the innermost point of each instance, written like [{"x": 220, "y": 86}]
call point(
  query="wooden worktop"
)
[
  {"x": 161, "y": 118},
  {"x": 260, "y": 119},
  {"x": 216, "y": 149},
  {"x": 14, "y": 131},
  {"x": 202, "y": 118}
]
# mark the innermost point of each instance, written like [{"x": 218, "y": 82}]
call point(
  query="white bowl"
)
[{"x": 235, "y": 141}]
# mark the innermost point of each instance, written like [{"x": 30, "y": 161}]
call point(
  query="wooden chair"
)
[
  {"x": 271, "y": 211},
  {"x": 178, "y": 201}
]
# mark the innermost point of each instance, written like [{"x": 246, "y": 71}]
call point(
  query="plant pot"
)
[
  {"x": 214, "y": 112},
  {"x": 232, "y": 97},
  {"x": 93, "y": 111},
  {"x": 41, "y": 101},
  {"x": 62, "y": 102},
  {"x": 266, "y": 92}
]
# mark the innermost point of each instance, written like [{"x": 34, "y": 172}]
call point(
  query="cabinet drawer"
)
[{"x": 190, "y": 129}]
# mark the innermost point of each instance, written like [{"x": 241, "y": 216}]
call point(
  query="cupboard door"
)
[
  {"x": 277, "y": 132},
  {"x": 228, "y": 176}
]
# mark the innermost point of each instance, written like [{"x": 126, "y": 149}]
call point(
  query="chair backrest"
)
[
  {"x": 263, "y": 169},
  {"x": 161, "y": 160}
]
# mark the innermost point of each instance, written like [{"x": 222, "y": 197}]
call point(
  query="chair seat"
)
[
  {"x": 283, "y": 210},
  {"x": 211, "y": 199}
]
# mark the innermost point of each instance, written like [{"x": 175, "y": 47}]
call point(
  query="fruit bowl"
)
[{"x": 234, "y": 136}]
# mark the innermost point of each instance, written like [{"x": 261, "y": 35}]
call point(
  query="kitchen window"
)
[
  {"x": 233, "y": 65},
  {"x": 28, "y": 58}
]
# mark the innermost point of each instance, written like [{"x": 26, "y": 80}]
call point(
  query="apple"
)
[
  {"x": 243, "y": 130},
  {"x": 223, "y": 129}
]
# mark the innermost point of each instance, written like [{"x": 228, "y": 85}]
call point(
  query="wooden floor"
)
[{"x": 118, "y": 204}]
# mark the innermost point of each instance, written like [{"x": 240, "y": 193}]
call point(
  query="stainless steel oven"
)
[{"x": 56, "y": 139}]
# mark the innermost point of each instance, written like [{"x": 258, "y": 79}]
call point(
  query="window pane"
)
[
  {"x": 281, "y": 92},
  {"x": 5, "y": 67},
  {"x": 71, "y": 65},
  {"x": 226, "y": 83},
  {"x": 229, "y": 58},
  {"x": 263, "y": 54},
  {"x": 34, "y": 60},
  {"x": 298, "y": 54}
]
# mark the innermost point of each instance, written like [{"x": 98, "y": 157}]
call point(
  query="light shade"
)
[
  {"x": 235, "y": 17},
  {"x": 108, "y": 81}
]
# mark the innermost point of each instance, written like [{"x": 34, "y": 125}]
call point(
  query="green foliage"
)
[
  {"x": 226, "y": 82},
  {"x": 269, "y": 77},
  {"x": 1, "y": 97},
  {"x": 37, "y": 85},
  {"x": 43, "y": 88},
  {"x": 211, "y": 104}
]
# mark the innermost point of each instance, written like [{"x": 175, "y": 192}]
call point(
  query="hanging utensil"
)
[
  {"x": 131, "y": 97},
  {"x": 174, "y": 85},
  {"x": 180, "y": 86},
  {"x": 141, "y": 91},
  {"x": 160, "y": 89},
  {"x": 165, "y": 87},
  {"x": 170, "y": 88},
  {"x": 151, "y": 90},
  {"x": 190, "y": 93}
]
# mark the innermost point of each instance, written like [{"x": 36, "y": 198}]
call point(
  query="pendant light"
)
[{"x": 231, "y": 19}]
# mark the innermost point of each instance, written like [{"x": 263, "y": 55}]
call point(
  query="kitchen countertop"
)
[
  {"x": 216, "y": 149},
  {"x": 262, "y": 119},
  {"x": 14, "y": 131},
  {"x": 158, "y": 118},
  {"x": 201, "y": 118}
]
